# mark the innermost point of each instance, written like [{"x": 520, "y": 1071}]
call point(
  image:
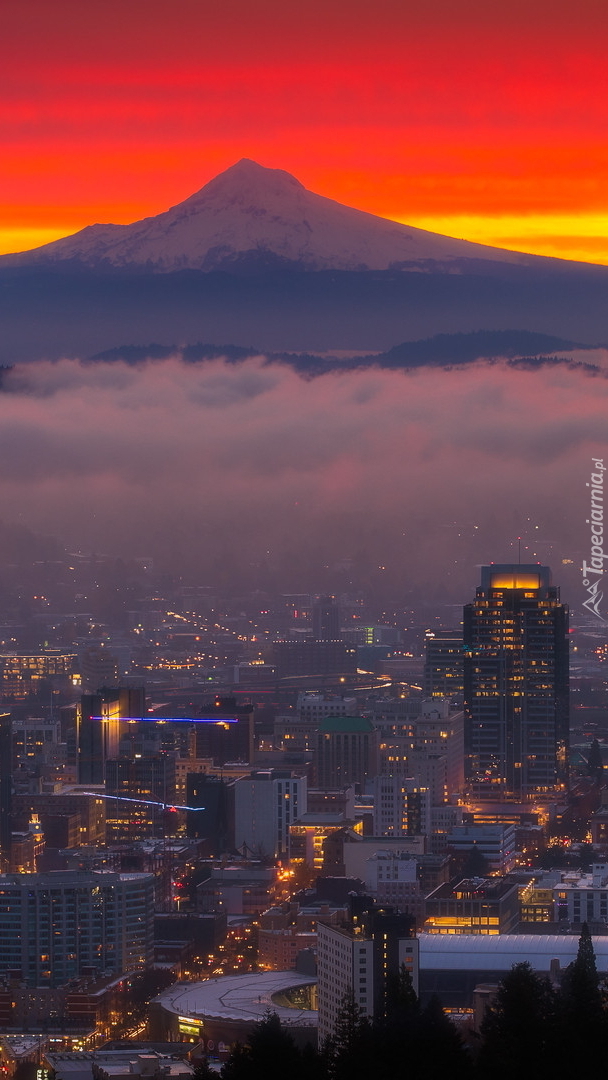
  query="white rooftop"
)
[
  {"x": 498, "y": 952},
  {"x": 239, "y": 997}
]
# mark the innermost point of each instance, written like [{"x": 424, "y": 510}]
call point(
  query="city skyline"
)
[{"x": 303, "y": 692}]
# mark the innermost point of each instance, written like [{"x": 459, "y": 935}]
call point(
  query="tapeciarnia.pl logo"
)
[{"x": 594, "y": 569}]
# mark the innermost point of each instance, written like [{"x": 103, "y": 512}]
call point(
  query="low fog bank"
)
[{"x": 252, "y": 476}]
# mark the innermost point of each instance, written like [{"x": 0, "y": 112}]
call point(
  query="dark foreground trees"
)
[
  {"x": 547, "y": 1031},
  {"x": 519, "y": 1029},
  {"x": 270, "y": 1054},
  {"x": 583, "y": 1015},
  {"x": 425, "y": 1038},
  {"x": 532, "y": 1029},
  {"x": 420, "y": 1041}
]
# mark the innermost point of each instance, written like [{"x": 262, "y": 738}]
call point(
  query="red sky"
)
[{"x": 483, "y": 120}]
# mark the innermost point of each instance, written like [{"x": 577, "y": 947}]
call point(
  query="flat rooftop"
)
[
  {"x": 498, "y": 952},
  {"x": 239, "y": 997}
]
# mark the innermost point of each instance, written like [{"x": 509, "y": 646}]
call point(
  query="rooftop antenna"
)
[{"x": 519, "y": 550}]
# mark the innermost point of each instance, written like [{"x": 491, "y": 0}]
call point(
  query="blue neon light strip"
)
[
  {"x": 144, "y": 802},
  {"x": 172, "y": 719}
]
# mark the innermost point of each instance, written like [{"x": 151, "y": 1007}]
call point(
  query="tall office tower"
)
[
  {"x": 443, "y": 666},
  {"x": 151, "y": 779},
  {"x": 211, "y": 816},
  {"x": 6, "y": 787},
  {"x": 326, "y": 619},
  {"x": 346, "y": 751},
  {"x": 265, "y": 805},
  {"x": 35, "y": 741},
  {"x": 230, "y": 733},
  {"x": 98, "y": 667},
  {"x": 98, "y": 727},
  {"x": 59, "y": 926},
  {"x": 516, "y": 685},
  {"x": 440, "y": 730},
  {"x": 402, "y": 806},
  {"x": 359, "y": 957}
]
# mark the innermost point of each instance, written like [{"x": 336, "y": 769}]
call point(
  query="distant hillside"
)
[
  {"x": 462, "y": 348},
  {"x": 517, "y": 347}
]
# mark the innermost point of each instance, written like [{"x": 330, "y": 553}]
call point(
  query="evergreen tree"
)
[
  {"x": 271, "y": 1054},
  {"x": 584, "y": 1022},
  {"x": 350, "y": 1052},
  {"x": 396, "y": 1031},
  {"x": 202, "y": 1070},
  {"x": 401, "y": 1001},
  {"x": 441, "y": 1051},
  {"x": 518, "y": 1031},
  {"x": 424, "y": 1038},
  {"x": 581, "y": 984},
  {"x": 238, "y": 1065}
]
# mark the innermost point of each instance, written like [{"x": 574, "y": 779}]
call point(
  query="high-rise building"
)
[
  {"x": 443, "y": 667},
  {"x": 150, "y": 779},
  {"x": 391, "y": 877},
  {"x": 346, "y": 751},
  {"x": 326, "y": 619},
  {"x": 98, "y": 667},
  {"x": 98, "y": 726},
  {"x": 213, "y": 818},
  {"x": 359, "y": 957},
  {"x": 231, "y": 736},
  {"x": 59, "y": 926},
  {"x": 35, "y": 741},
  {"x": 516, "y": 685},
  {"x": 402, "y": 806},
  {"x": 6, "y": 787},
  {"x": 480, "y": 906},
  {"x": 315, "y": 706},
  {"x": 265, "y": 805}
]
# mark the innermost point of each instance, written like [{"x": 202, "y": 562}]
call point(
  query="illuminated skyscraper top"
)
[{"x": 516, "y": 685}]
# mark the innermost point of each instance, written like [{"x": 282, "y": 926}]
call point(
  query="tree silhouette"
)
[
  {"x": 583, "y": 1018},
  {"x": 519, "y": 1027},
  {"x": 425, "y": 1038},
  {"x": 270, "y": 1054},
  {"x": 402, "y": 1005},
  {"x": 441, "y": 1051},
  {"x": 396, "y": 1030},
  {"x": 351, "y": 1049}
]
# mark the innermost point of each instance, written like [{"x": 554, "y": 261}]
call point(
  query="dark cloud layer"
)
[{"x": 203, "y": 466}]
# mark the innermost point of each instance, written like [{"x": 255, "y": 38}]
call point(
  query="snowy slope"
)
[{"x": 257, "y": 216}]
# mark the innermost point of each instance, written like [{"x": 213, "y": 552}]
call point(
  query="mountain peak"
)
[
  {"x": 253, "y": 217},
  {"x": 246, "y": 180},
  {"x": 248, "y": 170}
]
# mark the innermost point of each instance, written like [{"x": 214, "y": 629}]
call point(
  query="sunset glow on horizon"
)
[{"x": 484, "y": 124}]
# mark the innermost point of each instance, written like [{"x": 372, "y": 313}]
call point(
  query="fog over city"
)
[{"x": 402, "y": 476}]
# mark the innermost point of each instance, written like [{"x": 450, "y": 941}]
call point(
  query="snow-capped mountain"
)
[{"x": 253, "y": 216}]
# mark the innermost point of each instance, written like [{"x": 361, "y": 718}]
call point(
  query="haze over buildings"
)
[{"x": 291, "y": 704}]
